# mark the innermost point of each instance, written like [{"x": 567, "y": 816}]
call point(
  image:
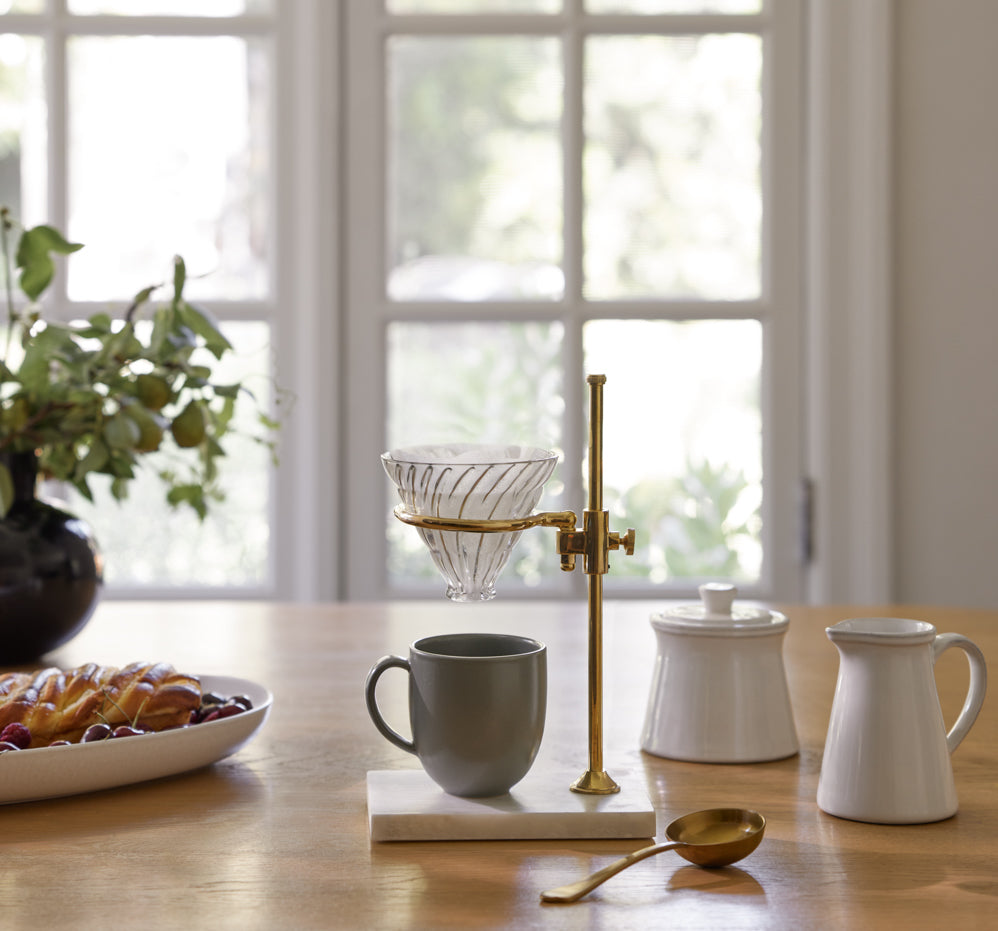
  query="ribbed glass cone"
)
[{"x": 474, "y": 482}]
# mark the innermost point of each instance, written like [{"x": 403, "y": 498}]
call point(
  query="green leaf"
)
[
  {"x": 123, "y": 345},
  {"x": 6, "y": 489},
  {"x": 100, "y": 322},
  {"x": 179, "y": 278},
  {"x": 121, "y": 432},
  {"x": 205, "y": 326},
  {"x": 95, "y": 460},
  {"x": 162, "y": 323},
  {"x": 48, "y": 239},
  {"x": 181, "y": 338},
  {"x": 223, "y": 417},
  {"x": 120, "y": 466},
  {"x": 14, "y": 416},
  {"x": 57, "y": 460},
  {"x": 50, "y": 343},
  {"x": 197, "y": 377},
  {"x": 36, "y": 276},
  {"x": 34, "y": 258},
  {"x": 190, "y": 494},
  {"x": 84, "y": 489},
  {"x": 143, "y": 295}
]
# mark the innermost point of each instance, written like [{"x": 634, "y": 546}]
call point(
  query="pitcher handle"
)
[
  {"x": 386, "y": 662},
  {"x": 978, "y": 684}
]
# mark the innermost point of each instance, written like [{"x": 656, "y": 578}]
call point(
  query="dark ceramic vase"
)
[{"x": 50, "y": 570}]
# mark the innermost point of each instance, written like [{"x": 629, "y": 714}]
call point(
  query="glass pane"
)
[
  {"x": 672, "y": 167},
  {"x": 146, "y": 542},
  {"x": 23, "y": 131},
  {"x": 473, "y": 6},
  {"x": 673, "y": 6},
  {"x": 21, "y": 6},
  {"x": 475, "y": 383},
  {"x": 682, "y": 453},
  {"x": 170, "y": 160},
  {"x": 474, "y": 168},
  {"x": 171, "y": 7}
]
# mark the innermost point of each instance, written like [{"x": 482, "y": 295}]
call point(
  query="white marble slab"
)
[{"x": 407, "y": 805}]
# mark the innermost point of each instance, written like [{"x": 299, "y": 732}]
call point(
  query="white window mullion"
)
[
  {"x": 56, "y": 98},
  {"x": 304, "y": 325},
  {"x": 782, "y": 253},
  {"x": 848, "y": 349},
  {"x": 574, "y": 426},
  {"x": 366, "y": 313}
]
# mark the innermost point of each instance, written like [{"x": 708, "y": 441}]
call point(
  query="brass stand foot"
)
[{"x": 595, "y": 783}]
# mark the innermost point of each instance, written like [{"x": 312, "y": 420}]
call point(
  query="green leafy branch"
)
[{"x": 96, "y": 397}]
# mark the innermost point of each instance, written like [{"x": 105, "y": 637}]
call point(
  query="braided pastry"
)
[{"x": 60, "y": 705}]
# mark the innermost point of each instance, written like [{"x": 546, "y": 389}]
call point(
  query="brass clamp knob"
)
[{"x": 626, "y": 541}]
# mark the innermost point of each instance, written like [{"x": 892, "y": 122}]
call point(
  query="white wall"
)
[{"x": 945, "y": 452}]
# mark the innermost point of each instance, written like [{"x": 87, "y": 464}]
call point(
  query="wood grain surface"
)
[{"x": 276, "y": 836}]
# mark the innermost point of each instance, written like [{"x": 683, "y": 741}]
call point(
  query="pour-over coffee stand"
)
[{"x": 593, "y": 542}]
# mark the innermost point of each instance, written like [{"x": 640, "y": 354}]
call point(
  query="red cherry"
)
[
  {"x": 17, "y": 734},
  {"x": 96, "y": 732},
  {"x": 126, "y": 731}
]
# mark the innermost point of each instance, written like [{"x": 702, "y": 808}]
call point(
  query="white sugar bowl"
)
[{"x": 719, "y": 690}]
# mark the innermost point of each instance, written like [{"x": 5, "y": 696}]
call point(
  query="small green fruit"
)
[
  {"x": 188, "y": 427},
  {"x": 121, "y": 432},
  {"x": 153, "y": 391},
  {"x": 14, "y": 417},
  {"x": 150, "y": 428}
]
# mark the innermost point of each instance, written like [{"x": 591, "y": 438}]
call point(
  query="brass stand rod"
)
[
  {"x": 596, "y": 383},
  {"x": 596, "y": 527},
  {"x": 595, "y": 674}
]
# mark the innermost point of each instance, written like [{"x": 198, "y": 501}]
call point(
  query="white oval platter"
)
[{"x": 53, "y": 772}]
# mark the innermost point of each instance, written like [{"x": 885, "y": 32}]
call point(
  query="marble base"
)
[{"x": 407, "y": 805}]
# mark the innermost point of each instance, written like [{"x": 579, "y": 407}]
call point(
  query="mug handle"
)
[
  {"x": 387, "y": 662},
  {"x": 978, "y": 684}
]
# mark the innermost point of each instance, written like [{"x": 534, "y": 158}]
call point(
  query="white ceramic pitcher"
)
[{"x": 887, "y": 752}]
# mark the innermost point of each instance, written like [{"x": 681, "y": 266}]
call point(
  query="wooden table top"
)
[{"x": 276, "y": 836}]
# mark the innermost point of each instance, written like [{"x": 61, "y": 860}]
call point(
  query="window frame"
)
[
  {"x": 322, "y": 535},
  {"x": 299, "y": 273},
  {"x": 367, "y": 311}
]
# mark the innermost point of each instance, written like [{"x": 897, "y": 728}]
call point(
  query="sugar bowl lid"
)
[{"x": 718, "y": 614}]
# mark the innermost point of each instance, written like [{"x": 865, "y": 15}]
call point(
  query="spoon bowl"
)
[
  {"x": 717, "y": 836},
  {"x": 709, "y": 838}
]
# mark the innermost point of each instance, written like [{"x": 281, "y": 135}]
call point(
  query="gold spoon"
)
[{"x": 715, "y": 837}]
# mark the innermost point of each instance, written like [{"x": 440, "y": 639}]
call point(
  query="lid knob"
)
[{"x": 718, "y": 597}]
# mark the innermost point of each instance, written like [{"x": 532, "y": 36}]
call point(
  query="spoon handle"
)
[{"x": 577, "y": 890}]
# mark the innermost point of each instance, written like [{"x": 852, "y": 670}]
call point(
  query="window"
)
[
  {"x": 430, "y": 219},
  {"x": 143, "y": 129},
  {"x": 539, "y": 190}
]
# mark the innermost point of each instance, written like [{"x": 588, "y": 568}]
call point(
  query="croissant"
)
[{"x": 57, "y": 704}]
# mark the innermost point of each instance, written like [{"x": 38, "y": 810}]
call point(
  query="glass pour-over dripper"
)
[{"x": 471, "y": 482}]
